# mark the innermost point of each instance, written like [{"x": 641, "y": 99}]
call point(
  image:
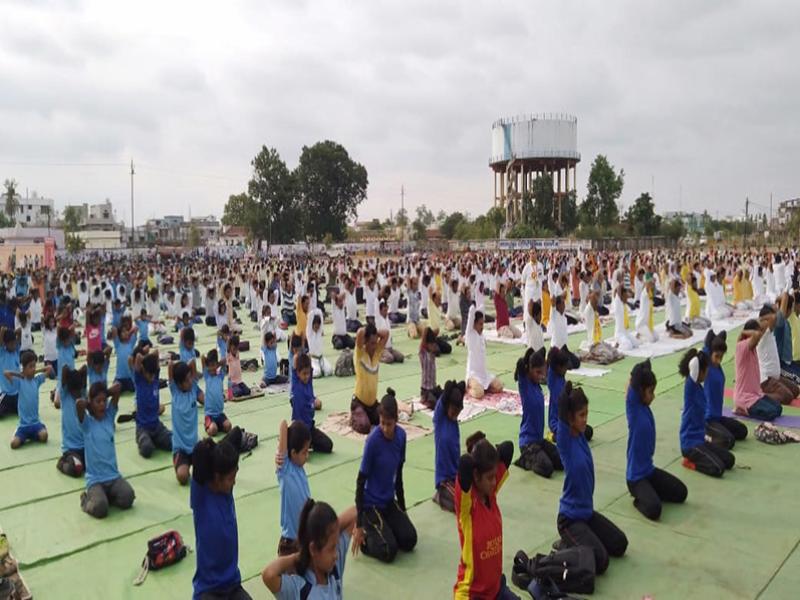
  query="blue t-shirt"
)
[
  {"x": 555, "y": 384},
  {"x": 270, "y": 362},
  {"x": 714, "y": 388},
  {"x": 71, "y": 431},
  {"x": 292, "y": 584},
  {"x": 28, "y": 403},
  {"x": 116, "y": 317},
  {"x": 215, "y": 394},
  {"x": 381, "y": 460},
  {"x": 576, "y": 501},
  {"x": 6, "y": 317},
  {"x": 293, "y": 484},
  {"x": 641, "y": 437},
  {"x": 124, "y": 351},
  {"x": 216, "y": 540},
  {"x": 783, "y": 338},
  {"x": 146, "y": 401},
  {"x": 531, "y": 427},
  {"x": 22, "y": 285},
  {"x": 693, "y": 431},
  {"x": 66, "y": 356},
  {"x": 222, "y": 347},
  {"x": 143, "y": 326},
  {"x": 100, "y": 453},
  {"x": 184, "y": 417},
  {"x": 187, "y": 355},
  {"x": 98, "y": 377},
  {"x": 447, "y": 440},
  {"x": 302, "y": 399},
  {"x": 9, "y": 361}
]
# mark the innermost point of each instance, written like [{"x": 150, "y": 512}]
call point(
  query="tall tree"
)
[
  {"x": 450, "y": 223},
  {"x": 331, "y": 185},
  {"x": 401, "y": 218},
  {"x": 72, "y": 219},
  {"x": 604, "y": 189},
  {"x": 272, "y": 186},
  {"x": 641, "y": 217},
  {"x": 543, "y": 196},
  {"x": 425, "y": 216},
  {"x": 10, "y": 197},
  {"x": 569, "y": 213},
  {"x": 240, "y": 210},
  {"x": 497, "y": 218}
]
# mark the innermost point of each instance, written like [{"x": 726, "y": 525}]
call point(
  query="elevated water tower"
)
[{"x": 527, "y": 146}]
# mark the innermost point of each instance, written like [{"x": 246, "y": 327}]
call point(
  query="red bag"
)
[{"x": 162, "y": 551}]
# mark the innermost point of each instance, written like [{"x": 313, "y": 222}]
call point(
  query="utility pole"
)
[
  {"x": 403, "y": 212},
  {"x": 746, "y": 213},
  {"x": 133, "y": 228}
]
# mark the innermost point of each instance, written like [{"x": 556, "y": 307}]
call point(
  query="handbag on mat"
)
[
  {"x": 162, "y": 551},
  {"x": 570, "y": 569}
]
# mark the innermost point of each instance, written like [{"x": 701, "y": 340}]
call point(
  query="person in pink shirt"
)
[
  {"x": 748, "y": 399},
  {"x": 238, "y": 388},
  {"x": 94, "y": 335},
  {"x": 503, "y": 324}
]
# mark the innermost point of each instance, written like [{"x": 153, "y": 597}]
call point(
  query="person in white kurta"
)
[
  {"x": 479, "y": 379},
  {"x": 320, "y": 365},
  {"x": 716, "y": 308},
  {"x": 675, "y": 326},
  {"x": 623, "y": 337},
  {"x": 533, "y": 325},
  {"x": 644, "y": 318}
]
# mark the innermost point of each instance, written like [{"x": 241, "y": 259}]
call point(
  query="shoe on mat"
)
[{"x": 520, "y": 573}]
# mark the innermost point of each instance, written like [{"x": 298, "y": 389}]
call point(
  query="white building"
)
[
  {"x": 34, "y": 211},
  {"x": 98, "y": 239}
]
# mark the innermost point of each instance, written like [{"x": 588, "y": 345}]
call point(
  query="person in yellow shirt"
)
[
  {"x": 794, "y": 323},
  {"x": 302, "y": 316},
  {"x": 366, "y": 361},
  {"x": 742, "y": 293},
  {"x": 693, "y": 316},
  {"x": 435, "y": 322}
]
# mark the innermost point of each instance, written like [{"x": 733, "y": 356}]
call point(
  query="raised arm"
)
[{"x": 80, "y": 408}]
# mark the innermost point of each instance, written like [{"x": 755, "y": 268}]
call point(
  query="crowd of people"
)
[{"x": 93, "y": 312}]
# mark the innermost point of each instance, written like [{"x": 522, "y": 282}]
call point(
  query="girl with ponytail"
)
[
  {"x": 317, "y": 569},
  {"x": 578, "y": 523},
  {"x": 649, "y": 485},
  {"x": 447, "y": 441},
  {"x": 214, "y": 468},
  {"x": 698, "y": 455},
  {"x": 536, "y": 453}
]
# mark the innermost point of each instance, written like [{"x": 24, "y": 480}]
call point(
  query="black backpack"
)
[{"x": 569, "y": 569}]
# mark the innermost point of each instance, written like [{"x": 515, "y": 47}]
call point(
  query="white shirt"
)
[
  {"x": 673, "y": 309},
  {"x": 50, "y": 349},
  {"x": 476, "y": 353},
  {"x": 350, "y": 306},
  {"x": 533, "y": 332},
  {"x": 557, "y": 329},
  {"x": 339, "y": 320},
  {"x": 314, "y": 337},
  {"x": 619, "y": 317},
  {"x": 383, "y": 324},
  {"x": 768, "y": 361},
  {"x": 643, "y": 316},
  {"x": 371, "y": 297}
]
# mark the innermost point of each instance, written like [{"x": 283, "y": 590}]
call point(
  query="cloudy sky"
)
[{"x": 696, "y": 98}]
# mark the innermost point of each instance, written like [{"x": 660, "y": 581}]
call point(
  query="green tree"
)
[
  {"x": 497, "y": 218},
  {"x": 441, "y": 216},
  {"x": 641, "y": 217},
  {"x": 569, "y": 213},
  {"x": 450, "y": 223},
  {"x": 11, "y": 201},
  {"x": 419, "y": 233},
  {"x": 194, "y": 238},
  {"x": 521, "y": 230},
  {"x": 276, "y": 217},
  {"x": 542, "y": 196},
  {"x": 425, "y": 216},
  {"x": 74, "y": 243},
  {"x": 240, "y": 211},
  {"x": 72, "y": 219},
  {"x": 401, "y": 218},
  {"x": 604, "y": 189},
  {"x": 330, "y": 186},
  {"x": 673, "y": 229}
]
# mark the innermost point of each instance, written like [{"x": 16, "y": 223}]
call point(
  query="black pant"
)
[
  {"x": 574, "y": 361},
  {"x": 320, "y": 442},
  {"x": 600, "y": 534},
  {"x": 353, "y": 325},
  {"x": 602, "y": 310},
  {"x": 650, "y": 492},
  {"x": 710, "y": 459},
  {"x": 444, "y": 346},
  {"x": 387, "y": 530},
  {"x": 8, "y": 404},
  {"x": 340, "y": 342},
  {"x": 726, "y": 432},
  {"x": 540, "y": 457},
  {"x": 147, "y": 441}
]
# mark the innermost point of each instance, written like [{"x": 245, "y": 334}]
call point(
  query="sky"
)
[{"x": 695, "y": 99}]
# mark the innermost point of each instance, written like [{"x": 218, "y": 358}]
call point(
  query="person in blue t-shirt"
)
[
  {"x": 316, "y": 571},
  {"x": 558, "y": 363},
  {"x": 185, "y": 396},
  {"x": 27, "y": 384},
  {"x": 73, "y": 458},
  {"x": 214, "y": 468},
  {"x": 535, "y": 453},
  {"x": 721, "y": 430},
  {"x": 124, "y": 343},
  {"x": 649, "y": 485},
  {"x": 65, "y": 347},
  {"x": 98, "y": 363},
  {"x": 150, "y": 431},
  {"x": 383, "y": 524},
  {"x": 294, "y": 444},
  {"x": 215, "y": 420},
  {"x": 143, "y": 322},
  {"x": 223, "y": 336},
  {"x": 578, "y": 523},
  {"x": 269, "y": 352},
  {"x": 304, "y": 403},
  {"x": 186, "y": 350},
  {"x": 117, "y": 311},
  {"x": 104, "y": 484},
  {"x": 447, "y": 443},
  {"x": 9, "y": 361},
  {"x": 699, "y": 455}
]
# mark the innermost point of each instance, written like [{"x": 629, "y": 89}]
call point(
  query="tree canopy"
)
[
  {"x": 10, "y": 199},
  {"x": 604, "y": 189},
  {"x": 275, "y": 216},
  {"x": 641, "y": 217}
]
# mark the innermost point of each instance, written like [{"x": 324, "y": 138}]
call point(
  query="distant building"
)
[
  {"x": 693, "y": 222},
  {"x": 209, "y": 228},
  {"x": 100, "y": 239},
  {"x": 95, "y": 217},
  {"x": 34, "y": 211},
  {"x": 233, "y": 236},
  {"x": 786, "y": 210}
]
